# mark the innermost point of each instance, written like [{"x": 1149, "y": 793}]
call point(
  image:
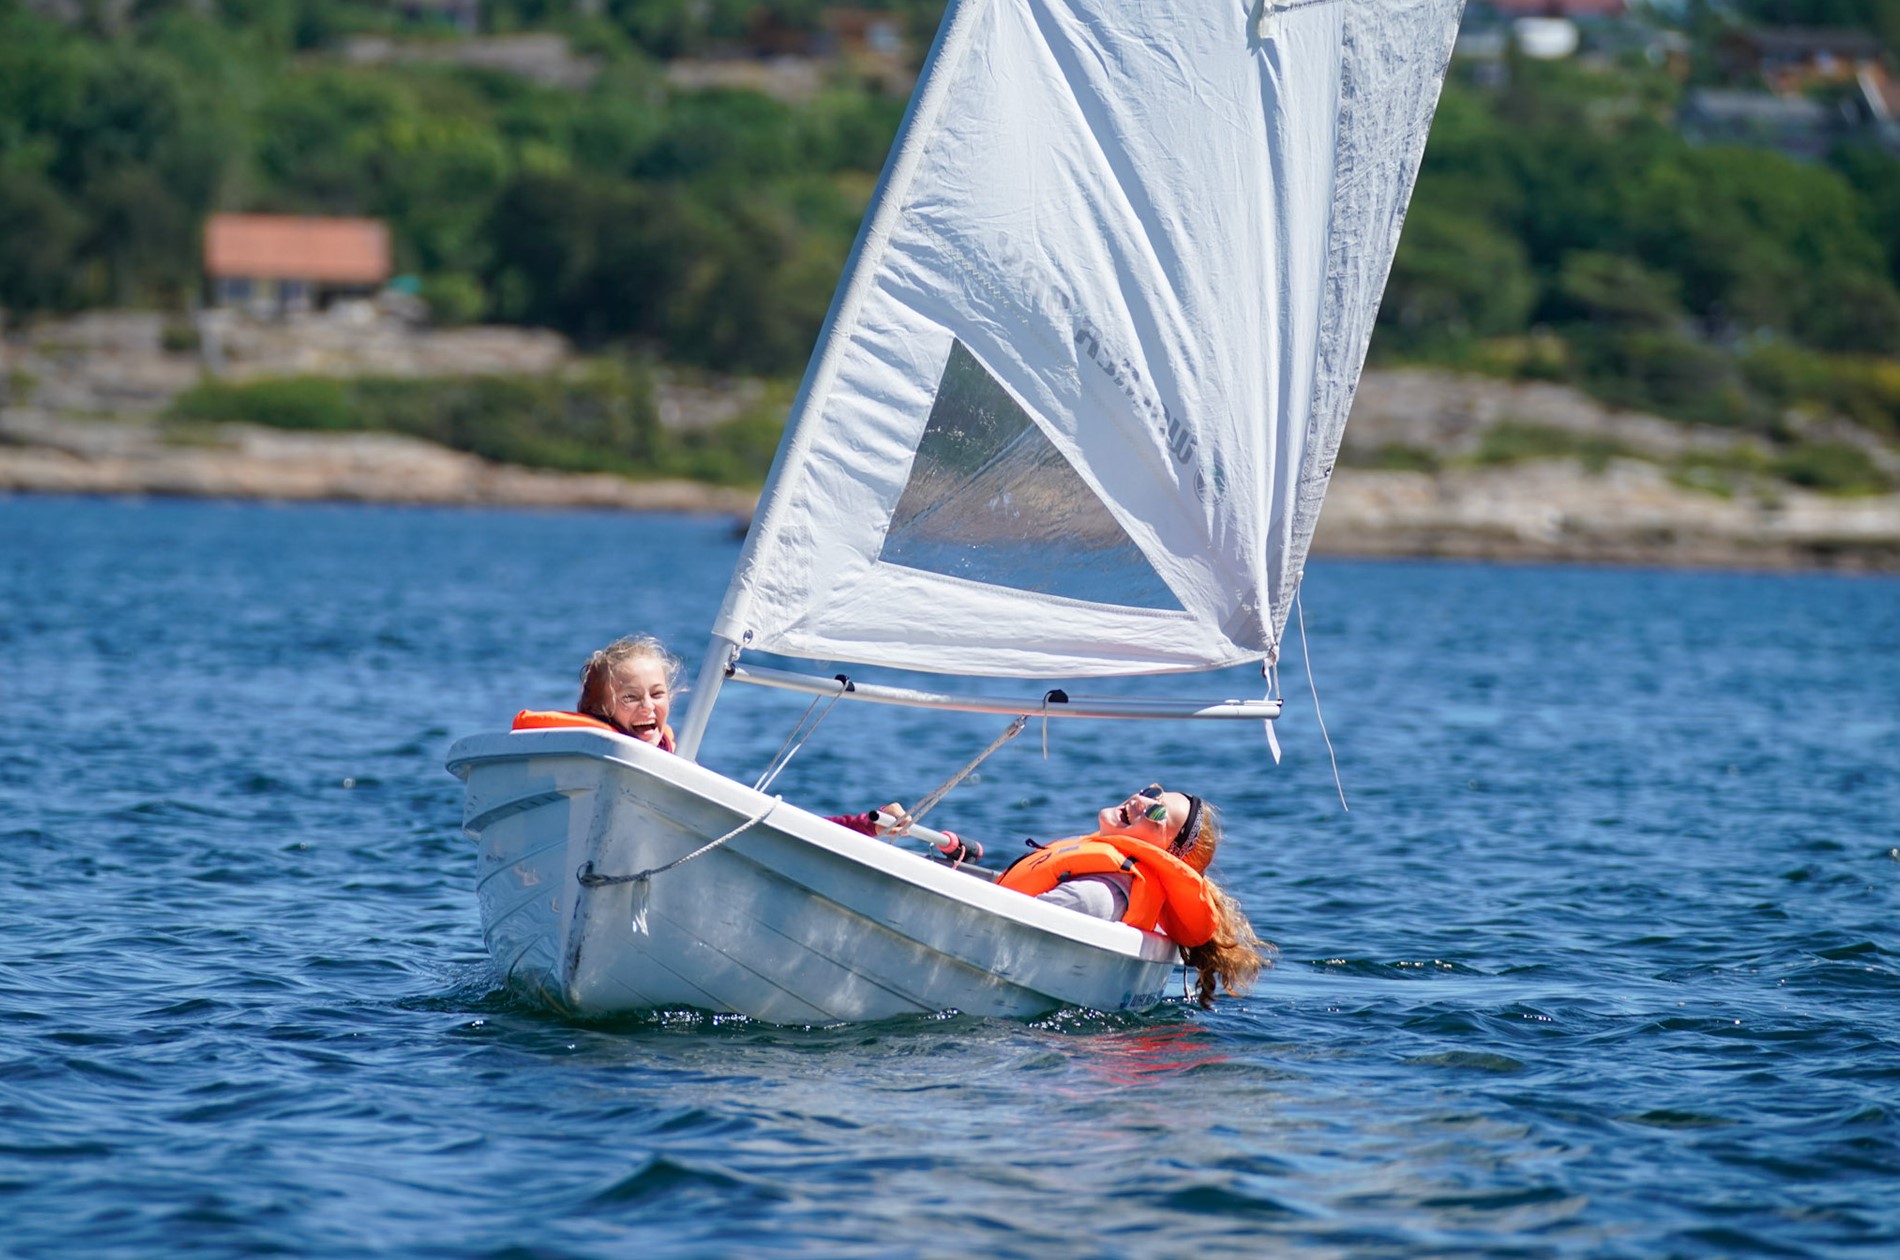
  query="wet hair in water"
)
[{"x": 1233, "y": 959}]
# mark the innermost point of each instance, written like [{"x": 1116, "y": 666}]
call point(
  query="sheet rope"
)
[
  {"x": 1307, "y": 656},
  {"x": 929, "y": 802},
  {"x": 800, "y": 733},
  {"x": 590, "y": 879},
  {"x": 587, "y": 877}
]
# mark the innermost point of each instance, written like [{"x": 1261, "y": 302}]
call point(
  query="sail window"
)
[{"x": 991, "y": 500}]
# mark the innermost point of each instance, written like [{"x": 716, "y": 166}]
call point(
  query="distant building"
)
[
  {"x": 792, "y": 58},
  {"x": 838, "y": 32},
  {"x": 1877, "y": 105},
  {"x": 863, "y": 32},
  {"x": 1544, "y": 30},
  {"x": 1792, "y": 59},
  {"x": 771, "y": 33},
  {"x": 1482, "y": 43},
  {"x": 1794, "y": 125},
  {"x": 1880, "y": 92},
  {"x": 1545, "y": 38},
  {"x": 542, "y": 57},
  {"x": 272, "y": 264}
]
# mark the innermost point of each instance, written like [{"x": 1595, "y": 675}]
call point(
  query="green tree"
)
[
  {"x": 756, "y": 289},
  {"x": 691, "y": 28},
  {"x": 594, "y": 257},
  {"x": 1757, "y": 238},
  {"x": 721, "y": 130},
  {"x": 437, "y": 178},
  {"x": 1882, "y": 17},
  {"x": 39, "y": 234},
  {"x": 1615, "y": 289},
  {"x": 315, "y": 137},
  {"x": 1874, "y": 176},
  {"x": 1455, "y": 277}
]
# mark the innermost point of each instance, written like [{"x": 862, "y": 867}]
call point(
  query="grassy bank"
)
[{"x": 603, "y": 417}]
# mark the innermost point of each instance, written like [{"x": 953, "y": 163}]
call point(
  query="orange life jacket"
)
[
  {"x": 1165, "y": 893},
  {"x": 545, "y": 719}
]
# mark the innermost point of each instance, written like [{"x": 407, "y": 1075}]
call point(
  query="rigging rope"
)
[
  {"x": 801, "y": 733},
  {"x": 1307, "y": 657},
  {"x": 587, "y": 877},
  {"x": 929, "y": 802},
  {"x": 1271, "y": 671},
  {"x": 1047, "y": 696}
]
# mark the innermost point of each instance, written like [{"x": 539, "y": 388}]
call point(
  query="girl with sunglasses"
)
[{"x": 1146, "y": 864}]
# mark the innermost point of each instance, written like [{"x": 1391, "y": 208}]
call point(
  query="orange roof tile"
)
[{"x": 291, "y": 247}]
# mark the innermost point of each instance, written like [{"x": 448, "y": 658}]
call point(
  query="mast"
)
[{"x": 712, "y": 673}]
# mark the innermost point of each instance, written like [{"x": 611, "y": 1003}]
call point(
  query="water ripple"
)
[{"x": 1601, "y": 963}]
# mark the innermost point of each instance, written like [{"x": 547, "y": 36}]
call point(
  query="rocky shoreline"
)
[
  {"x": 239, "y": 461},
  {"x": 1633, "y": 509},
  {"x": 1630, "y": 513},
  {"x": 94, "y": 427}
]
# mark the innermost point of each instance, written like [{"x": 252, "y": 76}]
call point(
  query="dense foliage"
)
[
  {"x": 1562, "y": 227},
  {"x": 710, "y": 225},
  {"x": 1719, "y": 284},
  {"x": 1881, "y": 17}
]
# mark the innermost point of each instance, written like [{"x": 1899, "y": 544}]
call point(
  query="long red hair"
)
[{"x": 1233, "y": 959}]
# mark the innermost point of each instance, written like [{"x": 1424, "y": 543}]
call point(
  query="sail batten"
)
[{"x": 1077, "y": 403}]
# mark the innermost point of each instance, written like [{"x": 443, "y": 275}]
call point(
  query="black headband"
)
[{"x": 1190, "y": 828}]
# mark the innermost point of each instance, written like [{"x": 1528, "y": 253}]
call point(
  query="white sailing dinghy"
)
[{"x": 1073, "y": 414}]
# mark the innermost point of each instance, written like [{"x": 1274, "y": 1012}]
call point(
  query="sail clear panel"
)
[
  {"x": 990, "y": 500},
  {"x": 1078, "y": 401}
]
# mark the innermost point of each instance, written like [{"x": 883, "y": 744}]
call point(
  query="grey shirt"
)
[{"x": 1099, "y": 896}]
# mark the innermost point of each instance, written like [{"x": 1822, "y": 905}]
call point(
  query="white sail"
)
[{"x": 1080, "y": 395}]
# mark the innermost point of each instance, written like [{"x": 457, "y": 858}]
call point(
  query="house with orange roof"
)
[{"x": 276, "y": 263}]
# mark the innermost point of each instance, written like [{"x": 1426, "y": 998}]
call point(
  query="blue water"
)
[{"x": 1603, "y": 961}]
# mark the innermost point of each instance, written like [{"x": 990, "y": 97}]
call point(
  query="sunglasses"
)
[{"x": 1158, "y": 812}]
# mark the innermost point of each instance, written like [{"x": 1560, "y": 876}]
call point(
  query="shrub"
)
[
  {"x": 299, "y": 402},
  {"x": 602, "y": 419},
  {"x": 454, "y": 298},
  {"x": 179, "y": 336},
  {"x": 1513, "y": 441},
  {"x": 1391, "y": 457},
  {"x": 1665, "y": 372},
  {"x": 1721, "y": 472},
  {"x": 1864, "y": 389},
  {"x": 1834, "y": 468}
]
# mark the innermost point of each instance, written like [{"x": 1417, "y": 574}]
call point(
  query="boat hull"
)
[{"x": 793, "y": 919}]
